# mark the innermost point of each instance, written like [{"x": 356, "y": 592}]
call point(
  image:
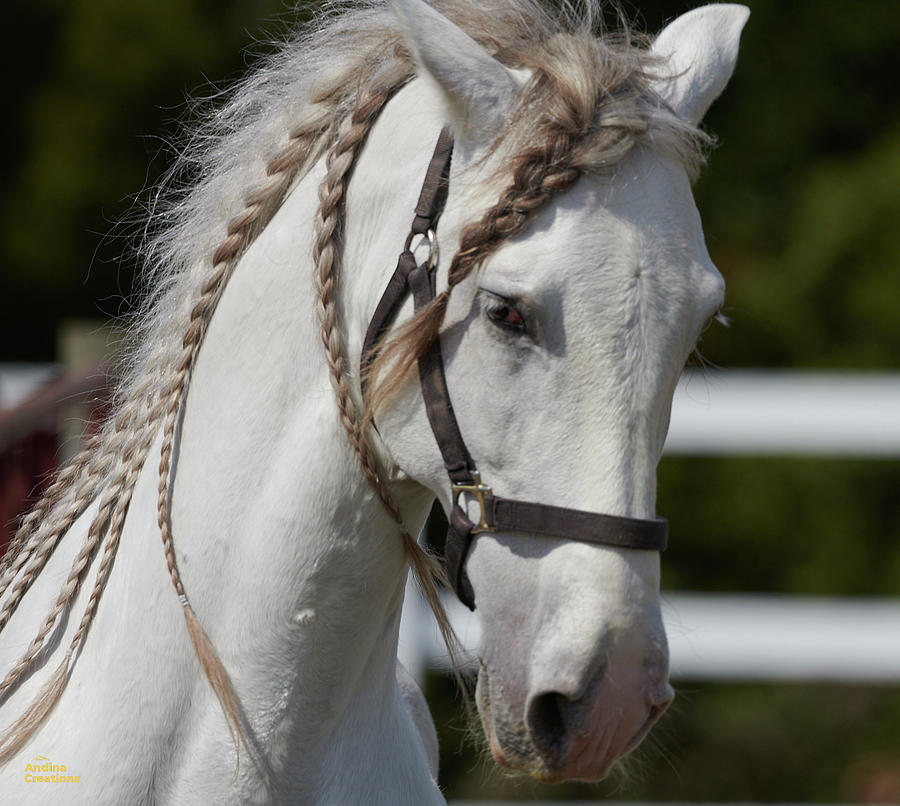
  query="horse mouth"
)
[
  {"x": 568, "y": 772},
  {"x": 656, "y": 711},
  {"x": 574, "y": 768}
]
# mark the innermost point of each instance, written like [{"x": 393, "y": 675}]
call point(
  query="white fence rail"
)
[
  {"x": 715, "y": 637},
  {"x": 749, "y": 637},
  {"x": 782, "y": 413}
]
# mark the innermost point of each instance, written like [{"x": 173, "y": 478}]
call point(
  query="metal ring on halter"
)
[
  {"x": 481, "y": 492},
  {"x": 430, "y": 237}
]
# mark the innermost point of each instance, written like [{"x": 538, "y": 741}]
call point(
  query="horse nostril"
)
[{"x": 546, "y": 724}]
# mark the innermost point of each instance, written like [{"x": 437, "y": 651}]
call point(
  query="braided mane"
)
[{"x": 588, "y": 104}]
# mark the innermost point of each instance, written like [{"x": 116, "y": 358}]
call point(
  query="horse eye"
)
[{"x": 506, "y": 315}]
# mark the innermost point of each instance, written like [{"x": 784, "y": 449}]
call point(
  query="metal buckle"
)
[
  {"x": 430, "y": 238},
  {"x": 479, "y": 490}
]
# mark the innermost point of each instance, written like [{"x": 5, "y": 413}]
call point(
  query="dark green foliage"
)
[
  {"x": 94, "y": 88},
  {"x": 782, "y": 525}
]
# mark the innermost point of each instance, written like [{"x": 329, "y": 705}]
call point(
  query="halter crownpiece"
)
[{"x": 496, "y": 514}]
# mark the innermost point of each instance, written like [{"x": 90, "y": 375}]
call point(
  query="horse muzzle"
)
[{"x": 559, "y": 734}]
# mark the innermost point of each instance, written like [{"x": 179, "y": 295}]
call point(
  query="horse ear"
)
[
  {"x": 479, "y": 91},
  {"x": 700, "y": 50}
]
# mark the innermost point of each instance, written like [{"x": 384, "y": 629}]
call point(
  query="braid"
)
[
  {"x": 28, "y": 539},
  {"x": 58, "y": 489},
  {"x": 326, "y": 257},
  {"x": 38, "y": 535},
  {"x": 118, "y": 491},
  {"x": 114, "y": 508},
  {"x": 542, "y": 172}
]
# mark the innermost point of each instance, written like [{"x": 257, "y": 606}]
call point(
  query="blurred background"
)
[{"x": 801, "y": 204}]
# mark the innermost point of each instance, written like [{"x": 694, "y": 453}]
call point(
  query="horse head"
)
[{"x": 562, "y": 340}]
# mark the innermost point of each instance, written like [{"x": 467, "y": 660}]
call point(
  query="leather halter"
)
[{"x": 497, "y": 514}]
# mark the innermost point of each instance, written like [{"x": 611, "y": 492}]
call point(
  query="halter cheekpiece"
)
[{"x": 496, "y": 514}]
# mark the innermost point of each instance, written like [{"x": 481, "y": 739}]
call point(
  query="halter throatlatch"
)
[{"x": 496, "y": 514}]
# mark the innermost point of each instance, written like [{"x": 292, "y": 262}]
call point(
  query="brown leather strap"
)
[
  {"x": 436, "y": 185},
  {"x": 438, "y": 406},
  {"x": 456, "y": 549},
  {"x": 385, "y": 313},
  {"x": 650, "y": 534},
  {"x": 432, "y": 199},
  {"x": 503, "y": 514}
]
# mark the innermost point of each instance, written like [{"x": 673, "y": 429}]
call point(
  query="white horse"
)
[{"x": 561, "y": 354}]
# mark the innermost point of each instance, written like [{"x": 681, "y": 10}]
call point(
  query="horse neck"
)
[
  {"x": 291, "y": 562},
  {"x": 292, "y": 565}
]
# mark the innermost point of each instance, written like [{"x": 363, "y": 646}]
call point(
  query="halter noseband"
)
[{"x": 497, "y": 514}]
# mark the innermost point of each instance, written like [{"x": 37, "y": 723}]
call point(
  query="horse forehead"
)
[{"x": 605, "y": 229}]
